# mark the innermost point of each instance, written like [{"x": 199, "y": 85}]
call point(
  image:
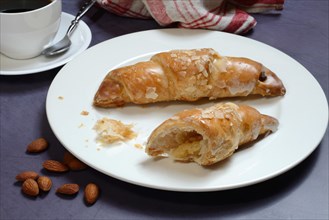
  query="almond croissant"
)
[
  {"x": 186, "y": 75},
  {"x": 209, "y": 135}
]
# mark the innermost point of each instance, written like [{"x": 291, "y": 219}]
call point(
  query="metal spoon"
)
[{"x": 64, "y": 44}]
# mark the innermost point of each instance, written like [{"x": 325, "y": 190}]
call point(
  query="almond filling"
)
[{"x": 183, "y": 145}]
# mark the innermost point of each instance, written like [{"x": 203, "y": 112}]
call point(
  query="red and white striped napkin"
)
[{"x": 223, "y": 15}]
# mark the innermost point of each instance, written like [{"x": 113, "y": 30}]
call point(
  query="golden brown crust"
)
[
  {"x": 186, "y": 75},
  {"x": 209, "y": 135}
]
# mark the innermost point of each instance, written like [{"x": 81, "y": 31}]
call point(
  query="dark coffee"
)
[{"x": 16, "y": 6}]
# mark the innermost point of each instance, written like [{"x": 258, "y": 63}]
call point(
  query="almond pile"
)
[{"x": 33, "y": 183}]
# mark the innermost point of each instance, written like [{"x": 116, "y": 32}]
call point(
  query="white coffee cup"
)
[{"x": 25, "y": 32}]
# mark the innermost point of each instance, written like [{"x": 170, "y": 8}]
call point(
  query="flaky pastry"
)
[
  {"x": 186, "y": 75},
  {"x": 207, "y": 136}
]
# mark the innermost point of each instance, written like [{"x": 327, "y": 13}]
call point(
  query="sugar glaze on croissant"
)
[
  {"x": 209, "y": 135},
  {"x": 186, "y": 75}
]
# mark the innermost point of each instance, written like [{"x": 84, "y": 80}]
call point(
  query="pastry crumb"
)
[
  {"x": 60, "y": 97},
  {"x": 85, "y": 113},
  {"x": 81, "y": 125},
  {"x": 139, "y": 146},
  {"x": 110, "y": 131}
]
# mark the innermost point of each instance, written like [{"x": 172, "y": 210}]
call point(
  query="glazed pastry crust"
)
[
  {"x": 186, "y": 75},
  {"x": 207, "y": 136}
]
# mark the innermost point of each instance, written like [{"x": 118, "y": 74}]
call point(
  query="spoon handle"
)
[{"x": 84, "y": 8}]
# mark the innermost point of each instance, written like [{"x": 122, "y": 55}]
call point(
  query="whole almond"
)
[
  {"x": 68, "y": 189},
  {"x": 77, "y": 165},
  {"x": 37, "y": 146},
  {"x": 91, "y": 193},
  {"x": 44, "y": 183},
  {"x": 73, "y": 163},
  {"x": 30, "y": 187},
  {"x": 55, "y": 166},
  {"x": 27, "y": 175},
  {"x": 68, "y": 157}
]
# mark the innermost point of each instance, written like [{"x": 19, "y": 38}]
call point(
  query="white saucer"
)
[{"x": 81, "y": 39}]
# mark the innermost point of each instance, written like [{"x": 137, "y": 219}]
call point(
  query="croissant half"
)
[
  {"x": 209, "y": 135},
  {"x": 186, "y": 75}
]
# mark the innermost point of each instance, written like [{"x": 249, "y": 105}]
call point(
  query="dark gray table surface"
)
[{"x": 301, "y": 31}]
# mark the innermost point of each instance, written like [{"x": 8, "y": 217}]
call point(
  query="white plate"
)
[
  {"x": 302, "y": 112},
  {"x": 81, "y": 38}
]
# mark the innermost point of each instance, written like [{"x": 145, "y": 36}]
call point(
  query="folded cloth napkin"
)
[{"x": 223, "y": 15}]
